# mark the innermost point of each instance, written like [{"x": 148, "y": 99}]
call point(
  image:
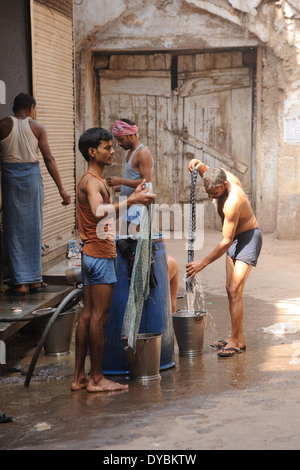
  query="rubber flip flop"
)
[
  {"x": 41, "y": 288},
  {"x": 216, "y": 346},
  {"x": 4, "y": 418},
  {"x": 11, "y": 291},
  {"x": 223, "y": 354}
]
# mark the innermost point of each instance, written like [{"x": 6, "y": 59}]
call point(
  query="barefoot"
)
[
  {"x": 78, "y": 385},
  {"x": 105, "y": 385}
]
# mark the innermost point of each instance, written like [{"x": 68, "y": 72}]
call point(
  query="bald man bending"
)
[{"x": 242, "y": 240}]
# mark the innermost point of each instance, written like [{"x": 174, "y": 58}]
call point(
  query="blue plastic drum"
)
[{"x": 156, "y": 315}]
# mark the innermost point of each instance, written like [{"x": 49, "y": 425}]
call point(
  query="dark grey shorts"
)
[{"x": 246, "y": 246}]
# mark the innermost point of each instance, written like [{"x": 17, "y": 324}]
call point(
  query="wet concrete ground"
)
[{"x": 246, "y": 402}]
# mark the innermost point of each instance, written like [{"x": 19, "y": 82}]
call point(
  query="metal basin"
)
[
  {"x": 58, "y": 341},
  {"x": 144, "y": 363},
  {"x": 189, "y": 327}
]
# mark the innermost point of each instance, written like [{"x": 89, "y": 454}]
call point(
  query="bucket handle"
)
[{"x": 146, "y": 340}]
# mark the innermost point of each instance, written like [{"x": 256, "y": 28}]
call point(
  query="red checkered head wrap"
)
[{"x": 123, "y": 128}]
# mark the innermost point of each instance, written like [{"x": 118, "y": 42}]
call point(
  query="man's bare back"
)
[{"x": 237, "y": 201}]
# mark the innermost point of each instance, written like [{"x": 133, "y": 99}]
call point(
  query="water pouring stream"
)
[
  {"x": 192, "y": 283},
  {"x": 189, "y": 325}
]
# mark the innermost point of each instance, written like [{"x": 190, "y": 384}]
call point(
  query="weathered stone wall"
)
[{"x": 196, "y": 25}]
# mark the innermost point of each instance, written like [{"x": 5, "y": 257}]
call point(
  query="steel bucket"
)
[
  {"x": 144, "y": 363},
  {"x": 58, "y": 340},
  {"x": 189, "y": 330},
  {"x": 73, "y": 275}
]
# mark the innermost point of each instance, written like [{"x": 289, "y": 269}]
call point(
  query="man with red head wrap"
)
[{"x": 138, "y": 166}]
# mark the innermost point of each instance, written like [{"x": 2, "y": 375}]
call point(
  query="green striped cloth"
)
[{"x": 139, "y": 284}]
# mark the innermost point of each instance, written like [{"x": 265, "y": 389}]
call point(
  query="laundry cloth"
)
[{"x": 140, "y": 279}]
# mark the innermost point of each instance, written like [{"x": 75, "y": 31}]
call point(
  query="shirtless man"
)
[
  {"x": 95, "y": 215},
  {"x": 242, "y": 240}
]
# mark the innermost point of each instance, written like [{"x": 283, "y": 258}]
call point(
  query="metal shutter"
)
[{"x": 53, "y": 89}]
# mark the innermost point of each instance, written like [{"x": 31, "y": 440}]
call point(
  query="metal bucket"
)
[
  {"x": 73, "y": 275},
  {"x": 144, "y": 363},
  {"x": 189, "y": 330},
  {"x": 58, "y": 340}
]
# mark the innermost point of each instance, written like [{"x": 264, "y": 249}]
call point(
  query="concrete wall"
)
[{"x": 195, "y": 25}]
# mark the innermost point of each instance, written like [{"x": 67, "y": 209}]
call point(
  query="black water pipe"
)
[{"x": 46, "y": 331}]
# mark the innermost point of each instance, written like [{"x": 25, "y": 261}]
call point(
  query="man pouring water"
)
[{"x": 242, "y": 241}]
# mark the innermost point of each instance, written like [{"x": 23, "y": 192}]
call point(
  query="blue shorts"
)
[
  {"x": 246, "y": 246},
  {"x": 97, "y": 270}
]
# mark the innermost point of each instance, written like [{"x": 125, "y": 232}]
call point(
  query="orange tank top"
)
[{"x": 97, "y": 236}]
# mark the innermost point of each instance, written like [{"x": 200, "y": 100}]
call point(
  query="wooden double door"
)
[{"x": 185, "y": 106}]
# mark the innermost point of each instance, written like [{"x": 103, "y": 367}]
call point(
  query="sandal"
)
[
  {"x": 217, "y": 346},
  {"x": 41, "y": 288},
  {"x": 4, "y": 418},
  {"x": 235, "y": 351},
  {"x": 11, "y": 291}
]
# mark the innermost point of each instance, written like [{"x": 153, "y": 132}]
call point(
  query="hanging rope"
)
[{"x": 190, "y": 282}]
